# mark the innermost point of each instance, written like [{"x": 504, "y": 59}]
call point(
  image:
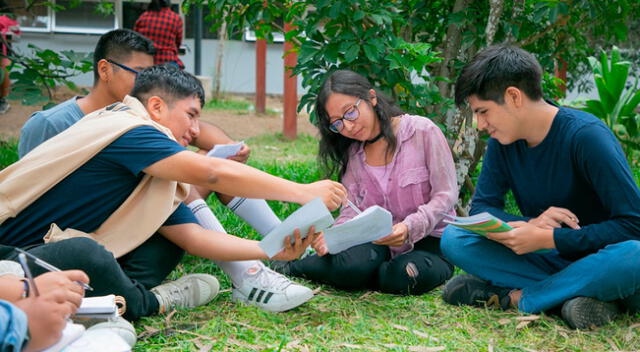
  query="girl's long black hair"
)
[{"x": 334, "y": 147}]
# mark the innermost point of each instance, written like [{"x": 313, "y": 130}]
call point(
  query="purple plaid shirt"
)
[{"x": 422, "y": 181}]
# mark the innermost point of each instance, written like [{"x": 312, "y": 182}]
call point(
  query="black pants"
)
[
  {"x": 369, "y": 266},
  {"x": 130, "y": 276}
]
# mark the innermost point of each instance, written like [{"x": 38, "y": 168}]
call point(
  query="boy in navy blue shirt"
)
[
  {"x": 577, "y": 242},
  {"x": 93, "y": 192}
]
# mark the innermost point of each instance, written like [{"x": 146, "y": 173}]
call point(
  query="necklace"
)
[{"x": 374, "y": 139}]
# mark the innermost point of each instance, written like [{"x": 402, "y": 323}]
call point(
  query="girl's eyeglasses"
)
[{"x": 350, "y": 115}]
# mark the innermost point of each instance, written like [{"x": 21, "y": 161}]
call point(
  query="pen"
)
[
  {"x": 353, "y": 206},
  {"x": 448, "y": 216},
  {"x": 49, "y": 267},
  {"x": 23, "y": 261}
]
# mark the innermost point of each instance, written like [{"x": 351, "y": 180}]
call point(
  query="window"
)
[
  {"x": 78, "y": 16},
  {"x": 36, "y": 18},
  {"x": 83, "y": 17}
]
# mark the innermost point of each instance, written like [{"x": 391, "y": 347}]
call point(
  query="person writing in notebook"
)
[
  {"x": 388, "y": 158},
  {"x": 31, "y": 322},
  {"x": 577, "y": 198}
]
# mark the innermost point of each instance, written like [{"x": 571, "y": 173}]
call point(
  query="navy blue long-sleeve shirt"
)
[{"x": 579, "y": 166}]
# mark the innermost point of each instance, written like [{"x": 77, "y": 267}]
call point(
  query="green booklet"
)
[{"x": 479, "y": 223}]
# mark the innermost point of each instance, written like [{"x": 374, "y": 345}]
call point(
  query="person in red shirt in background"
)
[
  {"x": 8, "y": 29},
  {"x": 164, "y": 27}
]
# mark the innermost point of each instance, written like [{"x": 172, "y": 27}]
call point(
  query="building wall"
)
[{"x": 238, "y": 69}]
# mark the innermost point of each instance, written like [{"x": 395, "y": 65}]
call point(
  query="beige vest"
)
[{"x": 137, "y": 219}]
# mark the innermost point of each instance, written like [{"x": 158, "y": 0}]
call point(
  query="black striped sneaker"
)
[
  {"x": 472, "y": 291},
  {"x": 587, "y": 313},
  {"x": 273, "y": 292}
]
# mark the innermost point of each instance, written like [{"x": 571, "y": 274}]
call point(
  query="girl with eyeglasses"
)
[{"x": 388, "y": 158}]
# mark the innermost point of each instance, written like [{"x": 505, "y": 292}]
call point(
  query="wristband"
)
[{"x": 26, "y": 288}]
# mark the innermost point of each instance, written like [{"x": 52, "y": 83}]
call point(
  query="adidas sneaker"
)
[{"x": 273, "y": 292}]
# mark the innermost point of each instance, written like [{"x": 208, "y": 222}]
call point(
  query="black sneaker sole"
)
[{"x": 587, "y": 313}]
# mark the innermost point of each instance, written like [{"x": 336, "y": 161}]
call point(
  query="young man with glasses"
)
[{"x": 118, "y": 56}]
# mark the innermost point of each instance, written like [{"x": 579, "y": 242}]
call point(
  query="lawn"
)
[{"x": 352, "y": 321}]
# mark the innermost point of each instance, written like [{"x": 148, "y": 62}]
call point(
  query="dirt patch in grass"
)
[{"x": 239, "y": 125}]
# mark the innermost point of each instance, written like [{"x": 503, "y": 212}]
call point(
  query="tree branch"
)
[{"x": 561, "y": 21}]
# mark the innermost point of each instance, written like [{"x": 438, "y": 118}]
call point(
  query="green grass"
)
[
  {"x": 237, "y": 106},
  {"x": 8, "y": 152},
  {"x": 353, "y": 321},
  {"x": 228, "y": 104}
]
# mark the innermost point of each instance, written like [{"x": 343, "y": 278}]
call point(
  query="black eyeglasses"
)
[
  {"x": 352, "y": 114},
  {"x": 124, "y": 67}
]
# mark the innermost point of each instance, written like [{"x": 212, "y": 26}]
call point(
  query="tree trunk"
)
[
  {"x": 222, "y": 38},
  {"x": 450, "y": 52},
  {"x": 494, "y": 19}
]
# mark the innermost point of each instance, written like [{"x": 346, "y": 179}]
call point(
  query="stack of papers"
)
[
  {"x": 372, "y": 224},
  {"x": 480, "y": 223},
  {"x": 314, "y": 213},
  {"x": 103, "y": 307}
]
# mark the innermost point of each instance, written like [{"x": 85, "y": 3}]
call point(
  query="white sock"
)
[
  {"x": 256, "y": 212},
  {"x": 205, "y": 216},
  {"x": 209, "y": 221}
]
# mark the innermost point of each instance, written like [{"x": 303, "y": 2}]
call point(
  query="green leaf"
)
[
  {"x": 595, "y": 107},
  {"x": 596, "y": 67},
  {"x": 336, "y": 10},
  {"x": 617, "y": 78},
  {"x": 631, "y": 105},
  {"x": 377, "y": 19},
  {"x": 553, "y": 14},
  {"x": 603, "y": 92},
  {"x": 352, "y": 53},
  {"x": 604, "y": 64},
  {"x": 371, "y": 52}
]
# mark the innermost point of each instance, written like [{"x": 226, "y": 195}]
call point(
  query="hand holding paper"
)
[
  {"x": 295, "y": 246},
  {"x": 224, "y": 151},
  {"x": 314, "y": 213},
  {"x": 399, "y": 236}
]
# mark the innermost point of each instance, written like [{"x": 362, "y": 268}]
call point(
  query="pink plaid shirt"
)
[{"x": 422, "y": 181}]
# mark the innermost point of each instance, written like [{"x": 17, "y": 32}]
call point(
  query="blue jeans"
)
[{"x": 546, "y": 279}]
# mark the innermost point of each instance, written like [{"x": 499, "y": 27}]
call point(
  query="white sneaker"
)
[
  {"x": 273, "y": 292},
  {"x": 188, "y": 291},
  {"x": 9, "y": 267},
  {"x": 120, "y": 327}
]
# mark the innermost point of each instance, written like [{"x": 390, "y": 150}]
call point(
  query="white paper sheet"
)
[
  {"x": 102, "y": 307},
  {"x": 70, "y": 333},
  {"x": 225, "y": 150},
  {"x": 98, "y": 340},
  {"x": 314, "y": 213},
  {"x": 372, "y": 224}
]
